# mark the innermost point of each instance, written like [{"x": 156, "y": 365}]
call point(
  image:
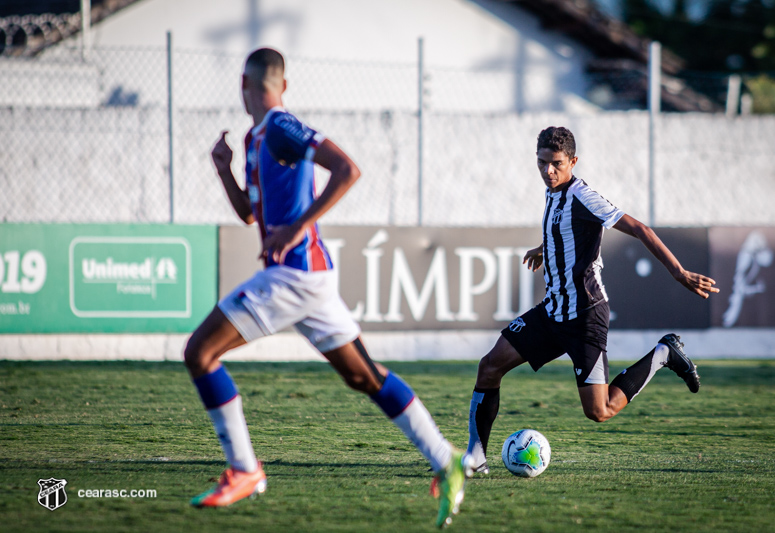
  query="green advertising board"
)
[{"x": 106, "y": 278}]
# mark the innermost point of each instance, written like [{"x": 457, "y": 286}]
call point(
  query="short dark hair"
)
[
  {"x": 266, "y": 60},
  {"x": 558, "y": 140}
]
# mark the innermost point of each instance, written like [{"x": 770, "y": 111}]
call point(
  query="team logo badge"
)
[
  {"x": 557, "y": 216},
  {"x": 52, "y": 493},
  {"x": 517, "y": 324}
]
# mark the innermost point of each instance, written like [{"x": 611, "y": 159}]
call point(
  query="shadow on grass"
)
[
  {"x": 342, "y": 464},
  {"x": 21, "y": 463},
  {"x": 676, "y": 470},
  {"x": 657, "y": 432}
]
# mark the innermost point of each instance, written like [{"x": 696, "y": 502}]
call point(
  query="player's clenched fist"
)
[{"x": 222, "y": 154}]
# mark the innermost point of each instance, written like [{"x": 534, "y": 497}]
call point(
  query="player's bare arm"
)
[
  {"x": 344, "y": 173},
  {"x": 534, "y": 258},
  {"x": 222, "y": 155},
  {"x": 697, "y": 283}
]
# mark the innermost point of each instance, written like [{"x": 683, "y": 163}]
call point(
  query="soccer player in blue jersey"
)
[
  {"x": 297, "y": 288},
  {"x": 573, "y": 317}
]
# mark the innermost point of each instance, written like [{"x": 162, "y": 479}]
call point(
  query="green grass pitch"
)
[{"x": 671, "y": 461}]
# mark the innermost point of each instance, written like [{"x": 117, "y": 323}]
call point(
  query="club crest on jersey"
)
[
  {"x": 517, "y": 324},
  {"x": 52, "y": 493},
  {"x": 557, "y": 216}
]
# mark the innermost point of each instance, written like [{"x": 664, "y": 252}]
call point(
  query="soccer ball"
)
[{"x": 526, "y": 453}]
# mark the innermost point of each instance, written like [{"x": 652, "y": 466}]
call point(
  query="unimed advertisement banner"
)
[
  {"x": 473, "y": 278},
  {"x": 105, "y": 278}
]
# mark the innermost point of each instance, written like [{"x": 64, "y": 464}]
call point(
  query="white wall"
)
[
  {"x": 469, "y": 345},
  {"x": 540, "y": 70},
  {"x": 479, "y": 169}
]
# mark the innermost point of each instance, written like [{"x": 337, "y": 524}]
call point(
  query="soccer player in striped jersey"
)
[
  {"x": 573, "y": 317},
  {"x": 297, "y": 288}
]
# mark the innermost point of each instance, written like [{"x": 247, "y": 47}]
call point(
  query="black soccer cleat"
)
[{"x": 679, "y": 363}]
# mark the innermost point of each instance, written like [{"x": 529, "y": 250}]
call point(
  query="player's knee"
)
[
  {"x": 193, "y": 356},
  {"x": 596, "y": 414},
  {"x": 361, "y": 383},
  {"x": 596, "y": 417},
  {"x": 488, "y": 371}
]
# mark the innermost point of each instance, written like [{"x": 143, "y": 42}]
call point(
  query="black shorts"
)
[{"x": 539, "y": 339}]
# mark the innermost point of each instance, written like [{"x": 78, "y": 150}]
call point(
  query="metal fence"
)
[{"x": 124, "y": 135}]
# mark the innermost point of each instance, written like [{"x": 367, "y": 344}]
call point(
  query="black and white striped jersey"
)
[{"x": 573, "y": 224}]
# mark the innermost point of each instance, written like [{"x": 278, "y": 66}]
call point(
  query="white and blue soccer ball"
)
[{"x": 526, "y": 453}]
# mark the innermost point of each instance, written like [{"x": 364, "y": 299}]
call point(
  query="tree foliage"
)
[{"x": 736, "y": 35}]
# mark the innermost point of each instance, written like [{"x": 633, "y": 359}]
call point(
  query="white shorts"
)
[{"x": 281, "y": 296}]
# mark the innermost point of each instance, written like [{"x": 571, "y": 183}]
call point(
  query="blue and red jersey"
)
[{"x": 280, "y": 193}]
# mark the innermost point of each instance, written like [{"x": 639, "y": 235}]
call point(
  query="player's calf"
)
[
  {"x": 353, "y": 363},
  {"x": 597, "y": 415},
  {"x": 601, "y": 402},
  {"x": 481, "y": 416}
]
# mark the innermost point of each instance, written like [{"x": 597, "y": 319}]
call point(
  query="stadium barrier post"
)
[
  {"x": 420, "y": 105},
  {"x": 654, "y": 103},
  {"x": 170, "y": 147}
]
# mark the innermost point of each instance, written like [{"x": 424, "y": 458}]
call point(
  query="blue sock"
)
[
  {"x": 394, "y": 396},
  {"x": 224, "y": 406},
  {"x": 216, "y": 388},
  {"x": 399, "y": 402}
]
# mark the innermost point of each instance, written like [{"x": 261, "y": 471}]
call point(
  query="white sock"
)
[
  {"x": 659, "y": 359},
  {"x": 232, "y": 430},
  {"x": 661, "y": 352},
  {"x": 418, "y": 426}
]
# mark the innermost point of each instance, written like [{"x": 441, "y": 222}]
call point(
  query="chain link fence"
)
[{"x": 94, "y": 139}]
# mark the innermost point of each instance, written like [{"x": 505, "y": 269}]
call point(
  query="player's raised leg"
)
[
  {"x": 399, "y": 402},
  {"x": 668, "y": 352},
  {"x": 601, "y": 403},
  {"x": 245, "y": 475},
  {"x": 485, "y": 399}
]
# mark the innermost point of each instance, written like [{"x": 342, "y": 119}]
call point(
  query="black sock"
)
[
  {"x": 632, "y": 380},
  {"x": 484, "y": 410}
]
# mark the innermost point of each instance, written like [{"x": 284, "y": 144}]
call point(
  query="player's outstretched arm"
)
[
  {"x": 697, "y": 283},
  {"x": 344, "y": 173},
  {"x": 239, "y": 199},
  {"x": 534, "y": 257}
]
